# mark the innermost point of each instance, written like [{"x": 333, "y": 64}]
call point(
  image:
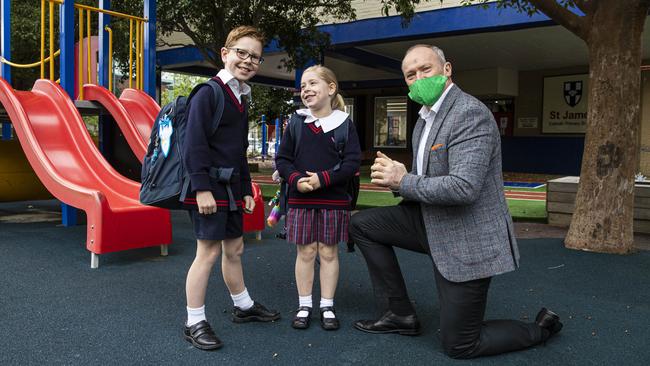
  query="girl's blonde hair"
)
[{"x": 328, "y": 76}]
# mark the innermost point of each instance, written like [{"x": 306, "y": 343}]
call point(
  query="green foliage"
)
[
  {"x": 181, "y": 85},
  {"x": 272, "y": 102},
  {"x": 522, "y": 6},
  {"x": 26, "y": 39},
  {"x": 407, "y": 7},
  {"x": 291, "y": 23}
]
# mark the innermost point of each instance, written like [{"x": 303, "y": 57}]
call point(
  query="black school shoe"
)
[
  {"x": 328, "y": 323},
  {"x": 257, "y": 313},
  {"x": 302, "y": 322},
  {"x": 202, "y": 336}
]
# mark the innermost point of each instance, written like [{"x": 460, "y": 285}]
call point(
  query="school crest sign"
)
[
  {"x": 572, "y": 92},
  {"x": 565, "y": 104}
]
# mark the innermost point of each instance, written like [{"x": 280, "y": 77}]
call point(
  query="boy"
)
[{"x": 220, "y": 179}]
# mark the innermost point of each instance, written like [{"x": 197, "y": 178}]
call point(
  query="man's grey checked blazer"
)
[{"x": 468, "y": 226}]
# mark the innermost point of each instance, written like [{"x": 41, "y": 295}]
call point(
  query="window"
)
[{"x": 390, "y": 122}]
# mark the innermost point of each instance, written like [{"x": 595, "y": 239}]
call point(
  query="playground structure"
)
[{"x": 55, "y": 140}]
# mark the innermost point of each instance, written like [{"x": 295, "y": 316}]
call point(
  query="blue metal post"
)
[
  {"x": 264, "y": 147},
  {"x": 104, "y": 21},
  {"x": 5, "y": 33},
  {"x": 277, "y": 135},
  {"x": 66, "y": 41},
  {"x": 150, "y": 48},
  {"x": 5, "y": 70},
  {"x": 6, "y": 131},
  {"x": 67, "y": 46},
  {"x": 68, "y": 215}
]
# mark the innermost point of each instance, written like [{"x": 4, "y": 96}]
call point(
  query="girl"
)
[{"x": 318, "y": 172}]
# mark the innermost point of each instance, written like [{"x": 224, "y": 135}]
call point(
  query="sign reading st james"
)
[{"x": 565, "y": 104}]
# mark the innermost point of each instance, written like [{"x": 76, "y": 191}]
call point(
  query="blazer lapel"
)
[
  {"x": 417, "y": 134},
  {"x": 437, "y": 123}
]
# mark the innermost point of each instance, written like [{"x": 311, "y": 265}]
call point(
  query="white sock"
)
[
  {"x": 195, "y": 315},
  {"x": 304, "y": 301},
  {"x": 243, "y": 300},
  {"x": 325, "y": 303}
]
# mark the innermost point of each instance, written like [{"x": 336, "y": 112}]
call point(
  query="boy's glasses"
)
[{"x": 243, "y": 54}]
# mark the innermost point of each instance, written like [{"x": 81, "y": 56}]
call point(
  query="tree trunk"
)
[{"x": 602, "y": 220}]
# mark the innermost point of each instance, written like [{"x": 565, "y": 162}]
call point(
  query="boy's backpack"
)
[
  {"x": 340, "y": 139},
  {"x": 165, "y": 182}
]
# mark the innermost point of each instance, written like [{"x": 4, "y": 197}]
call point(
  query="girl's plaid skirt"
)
[{"x": 305, "y": 226}]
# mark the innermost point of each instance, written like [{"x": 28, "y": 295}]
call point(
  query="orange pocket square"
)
[{"x": 436, "y": 147}]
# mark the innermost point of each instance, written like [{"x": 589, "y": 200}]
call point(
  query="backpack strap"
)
[
  {"x": 295, "y": 130},
  {"x": 218, "y": 113},
  {"x": 340, "y": 139},
  {"x": 218, "y": 101}
]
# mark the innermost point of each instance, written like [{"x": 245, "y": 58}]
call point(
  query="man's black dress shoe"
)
[
  {"x": 328, "y": 323},
  {"x": 202, "y": 336},
  {"x": 302, "y": 322},
  {"x": 257, "y": 313},
  {"x": 391, "y": 323},
  {"x": 549, "y": 321}
]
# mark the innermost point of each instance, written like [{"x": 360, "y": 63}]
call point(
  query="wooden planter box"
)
[{"x": 561, "y": 197}]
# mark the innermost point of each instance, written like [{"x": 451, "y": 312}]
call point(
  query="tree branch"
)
[
  {"x": 584, "y": 5},
  {"x": 199, "y": 43},
  {"x": 162, "y": 42},
  {"x": 574, "y": 23}
]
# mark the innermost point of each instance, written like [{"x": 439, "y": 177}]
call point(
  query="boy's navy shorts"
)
[{"x": 217, "y": 226}]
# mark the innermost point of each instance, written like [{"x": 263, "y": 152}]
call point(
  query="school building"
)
[{"x": 531, "y": 72}]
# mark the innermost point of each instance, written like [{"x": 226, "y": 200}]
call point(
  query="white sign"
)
[
  {"x": 565, "y": 104},
  {"x": 527, "y": 122}
]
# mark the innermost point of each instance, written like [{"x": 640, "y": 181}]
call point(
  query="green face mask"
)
[{"x": 427, "y": 91}]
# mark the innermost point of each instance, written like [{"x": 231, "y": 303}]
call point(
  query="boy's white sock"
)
[
  {"x": 325, "y": 303},
  {"x": 304, "y": 301},
  {"x": 243, "y": 300},
  {"x": 195, "y": 315}
]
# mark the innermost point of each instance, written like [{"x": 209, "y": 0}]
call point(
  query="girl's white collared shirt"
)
[{"x": 328, "y": 123}]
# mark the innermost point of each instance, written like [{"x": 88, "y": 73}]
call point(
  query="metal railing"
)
[{"x": 136, "y": 24}]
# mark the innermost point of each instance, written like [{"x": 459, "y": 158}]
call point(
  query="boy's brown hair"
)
[{"x": 244, "y": 31}]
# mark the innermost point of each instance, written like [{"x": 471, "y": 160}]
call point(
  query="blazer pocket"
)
[{"x": 437, "y": 164}]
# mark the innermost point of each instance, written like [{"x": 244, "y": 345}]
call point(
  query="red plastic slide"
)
[
  {"x": 142, "y": 108},
  {"x": 134, "y": 126},
  {"x": 65, "y": 158}
]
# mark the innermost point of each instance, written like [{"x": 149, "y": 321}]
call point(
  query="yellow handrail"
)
[
  {"x": 137, "y": 43},
  {"x": 26, "y": 66},
  {"x": 109, "y": 12},
  {"x": 80, "y": 57},
  {"x": 88, "y": 47},
  {"x": 130, "y": 53},
  {"x": 110, "y": 57},
  {"x": 136, "y": 55},
  {"x": 142, "y": 55},
  {"x": 42, "y": 39},
  {"x": 51, "y": 40}
]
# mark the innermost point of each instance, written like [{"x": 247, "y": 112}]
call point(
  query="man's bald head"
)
[{"x": 423, "y": 60}]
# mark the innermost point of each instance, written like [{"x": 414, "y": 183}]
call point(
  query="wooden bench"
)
[{"x": 561, "y": 197}]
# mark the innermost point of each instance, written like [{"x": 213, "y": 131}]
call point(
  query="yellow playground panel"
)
[{"x": 18, "y": 182}]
